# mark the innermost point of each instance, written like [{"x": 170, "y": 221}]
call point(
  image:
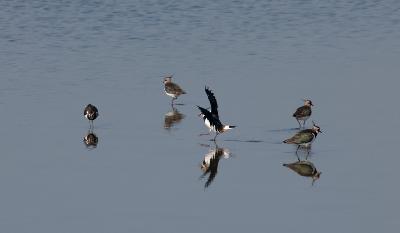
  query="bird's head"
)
[
  {"x": 316, "y": 128},
  {"x": 316, "y": 177},
  {"x": 308, "y": 102},
  {"x": 167, "y": 79}
]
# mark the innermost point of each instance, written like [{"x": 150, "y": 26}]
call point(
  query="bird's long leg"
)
[
  {"x": 298, "y": 158},
  {"x": 299, "y": 123},
  {"x": 308, "y": 152},
  {"x": 216, "y": 134},
  {"x": 298, "y": 147},
  {"x": 304, "y": 123}
]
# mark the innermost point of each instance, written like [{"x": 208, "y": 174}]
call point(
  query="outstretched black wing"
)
[
  {"x": 213, "y": 102},
  {"x": 213, "y": 167},
  {"x": 210, "y": 117}
]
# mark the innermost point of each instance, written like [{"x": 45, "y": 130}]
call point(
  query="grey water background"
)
[{"x": 260, "y": 57}]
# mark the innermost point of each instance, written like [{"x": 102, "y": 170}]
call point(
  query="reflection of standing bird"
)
[
  {"x": 90, "y": 140},
  {"x": 211, "y": 119},
  {"x": 172, "y": 89},
  {"x": 173, "y": 117},
  {"x": 305, "y": 137},
  {"x": 304, "y": 168},
  {"x": 210, "y": 164},
  {"x": 303, "y": 113},
  {"x": 91, "y": 113}
]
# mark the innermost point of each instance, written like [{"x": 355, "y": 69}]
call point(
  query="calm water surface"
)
[{"x": 260, "y": 57}]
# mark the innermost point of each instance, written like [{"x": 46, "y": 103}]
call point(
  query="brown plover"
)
[
  {"x": 303, "y": 113},
  {"x": 91, "y": 113},
  {"x": 211, "y": 119},
  {"x": 172, "y": 89}
]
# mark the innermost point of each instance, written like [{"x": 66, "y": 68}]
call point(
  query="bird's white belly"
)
[
  {"x": 208, "y": 124},
  {"x": 170, "y": 94}
]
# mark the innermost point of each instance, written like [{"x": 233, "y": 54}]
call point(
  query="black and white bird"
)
[
  {"x": 91, "y": 113},
  {"x": 172, "y": 89},
  {"x": 211, "y": 119},
  {"x": 305, "y": 137},
  {"x": 210, "y": 163},
  {"x": 303, "y": 113}
]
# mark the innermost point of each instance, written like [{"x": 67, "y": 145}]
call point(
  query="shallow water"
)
[{"x": 260, "y": 58}]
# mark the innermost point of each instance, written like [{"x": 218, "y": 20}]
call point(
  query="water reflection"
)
[
  {"x": 172, "y": 118},
  {"x": 304, "y": 168},
  {"x": 90, "y": 140},
  {"x": 209, "y": 165}
]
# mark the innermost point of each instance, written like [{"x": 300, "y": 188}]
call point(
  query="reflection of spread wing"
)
[
  {"x": 212, "y": 169},
  {"x": 302, "y": 111},
  {"x": 210, "y": 163},
  {"x": 209, "y": 116},
  {"x": 213, "y": 102}
]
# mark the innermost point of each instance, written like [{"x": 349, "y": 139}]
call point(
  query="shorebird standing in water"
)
[
  {"x": 304, "y": 138},
  {"x": 91, "y": 113},
  {"x": 303, "y": 113},
  {"x": 211, "y": 119},
  {"x": 172, "y": 89}
]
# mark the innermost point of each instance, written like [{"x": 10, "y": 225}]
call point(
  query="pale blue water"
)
[{"x": 260, "y": 57}]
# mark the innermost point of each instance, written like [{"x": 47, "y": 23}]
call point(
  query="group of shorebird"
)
[{"x": 303, "y": 139}]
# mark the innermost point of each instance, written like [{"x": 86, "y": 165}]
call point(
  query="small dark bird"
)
[
  {"x": 211, "y": 119},
  {"x": 305, "y": 137},
  {"x": 172, "y": 89},
  {"x": 304, "y": 168},
  {"x": 303, "y": 113},
  {"x": 91, "y": 113},
  {"x": 210, "y": 163},
  {"x": 90, "y": 140}
]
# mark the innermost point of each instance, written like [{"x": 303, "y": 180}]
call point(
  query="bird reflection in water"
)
[
  {"x": 209, "y": 165},
  {"x": 90, "y": 140},
  {"x": 304, "y": 168},
  {"x": 172, "y": 118}
]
